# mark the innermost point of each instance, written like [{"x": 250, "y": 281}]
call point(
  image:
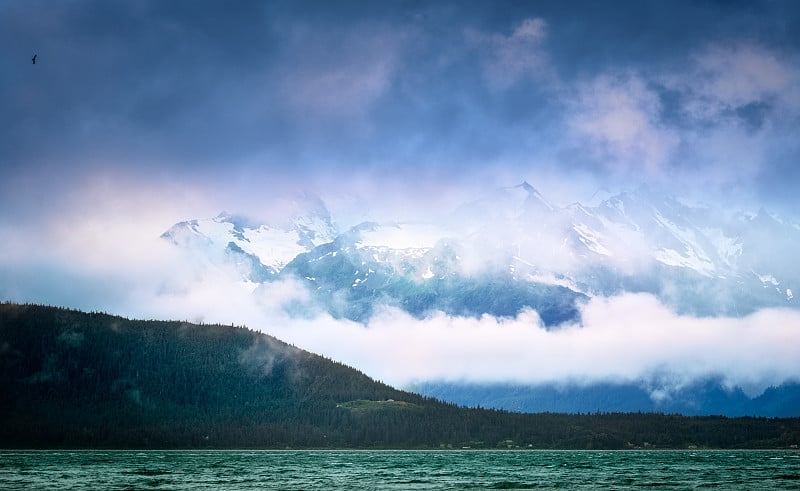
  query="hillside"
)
[{"x": 76, "y": 380}]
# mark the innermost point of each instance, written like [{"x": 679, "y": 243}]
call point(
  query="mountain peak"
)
[
  {"x": 527, "y": 187},
  {"x": 534, "y": 197}
]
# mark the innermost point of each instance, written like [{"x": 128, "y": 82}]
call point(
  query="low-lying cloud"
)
[
  {"x": 623, "y": 339},
  {"x": 627, "y": 338},
  {"x": 90, "y": 258}
]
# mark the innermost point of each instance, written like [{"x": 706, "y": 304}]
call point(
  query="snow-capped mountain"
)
[
  {"x": 699, "y": 260},
  {"x": 262, "y": 250},
  {"x": 512, "y": 249},
  {"x": 375, "y": 264}
]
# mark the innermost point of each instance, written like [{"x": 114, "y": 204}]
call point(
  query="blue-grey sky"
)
[
  {"x": 257, "y": 95},
  {"x": 139, "y": 114}
]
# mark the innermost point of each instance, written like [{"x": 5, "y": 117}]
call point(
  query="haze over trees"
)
[{"x": 79, "y": 380}]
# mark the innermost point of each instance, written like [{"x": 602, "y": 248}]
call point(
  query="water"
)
[{"x": 395, "y": 470}]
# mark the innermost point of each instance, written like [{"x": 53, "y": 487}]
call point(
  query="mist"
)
[{"x": 624, "y": 338}]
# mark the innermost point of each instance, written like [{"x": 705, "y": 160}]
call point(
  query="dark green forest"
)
[{"x": 91, "y": 380}]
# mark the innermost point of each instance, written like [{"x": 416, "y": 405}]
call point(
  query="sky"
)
[{"x": 137, "y": 115}]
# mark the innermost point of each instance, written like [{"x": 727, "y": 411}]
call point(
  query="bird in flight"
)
[{"x": 33, "y": 60}]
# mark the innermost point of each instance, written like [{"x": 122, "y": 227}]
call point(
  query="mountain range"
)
[
  {"x": 697, "y": 259},
  {"x": 512, "y": 250}
]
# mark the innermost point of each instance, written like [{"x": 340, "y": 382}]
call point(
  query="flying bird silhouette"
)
[{"x": 33, "y": 60}]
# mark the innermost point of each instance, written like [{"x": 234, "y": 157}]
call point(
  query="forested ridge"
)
[{"x": 91, "y": 380}]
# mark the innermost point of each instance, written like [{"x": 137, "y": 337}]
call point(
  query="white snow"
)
[
  {"x": 591, "y": 239},
  {"x": 551, "y": 279},
  {"x": 321, "y": 230},
  {"x": 428, "y": 274},
  {"x": 332, "y": 254},
  {"x": 250, "y": 286},
  {"x": 728, "y": 248},
  {"x": 541, "y": 199},
  {"x": 695, "y": 257},
  {"x": 215, "y": 229},
  {"x": 671, "y": 257},
  {"x": 274, "y": 247},
  {"x": 789, "y": 294},
  {"x": 767, "y": 279}
]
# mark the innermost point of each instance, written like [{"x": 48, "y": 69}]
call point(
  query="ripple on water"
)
[{"x": 363, "y": 470}]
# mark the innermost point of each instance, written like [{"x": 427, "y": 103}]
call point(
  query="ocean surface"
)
[{"x": 394, "y": 470}]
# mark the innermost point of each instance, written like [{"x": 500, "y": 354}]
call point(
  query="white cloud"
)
[
  {"x": 715, "y": 120},
  {"x": 102, "y": 221},
  {"x": 509, "y": 59},
  {"x": 341, "y": 75},
  {"x": 727, "y": 153},
  {"x": 739, "y": 104},
  {"x": 619, "y": 118},
  {"x": 626, "y": 338},
  {"x": 346, "y": 89},
  {"x": 727, "y": 77}
]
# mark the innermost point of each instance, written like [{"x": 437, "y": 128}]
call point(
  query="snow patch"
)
[
  {"x": 695, "y": 257},
  {"x": 274, "y": 247},
  {"x": 767, "y": 279},
  {"x": 250, "y": 286},
  {"x": 728, "y": 248},
  {"x": 591, "y": 239},
  {"x": 671, "y": 257}
]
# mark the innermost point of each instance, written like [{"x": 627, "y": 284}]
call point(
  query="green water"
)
[{"x": 394, "y": 470}]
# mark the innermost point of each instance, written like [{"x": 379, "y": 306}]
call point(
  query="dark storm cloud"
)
[
  {"x": 128, "y": 79},
  {"x": 387, "y": 90}
]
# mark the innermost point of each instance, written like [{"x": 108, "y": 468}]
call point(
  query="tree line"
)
[{"x": 91, "y": 380}]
